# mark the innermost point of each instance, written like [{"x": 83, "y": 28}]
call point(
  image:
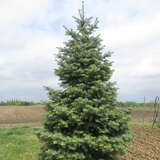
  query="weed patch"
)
[{"x": 19, "y": 143}]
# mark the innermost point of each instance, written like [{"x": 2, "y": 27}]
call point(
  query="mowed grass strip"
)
[{"x": 19, "y": 143}]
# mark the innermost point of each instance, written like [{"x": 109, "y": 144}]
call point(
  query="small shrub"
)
[{"x": 158, "y": 123}]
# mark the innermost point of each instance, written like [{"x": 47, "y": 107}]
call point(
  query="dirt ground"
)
[
  {"x": 145, "y": 146},
  {"x": 21, "y": 115},
  {"x": 139, "y": 114},
  {"x": 35, "y": 114}
]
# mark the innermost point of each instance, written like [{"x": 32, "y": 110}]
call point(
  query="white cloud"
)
[
  {"x": 25, "y": 54},
  {"x": 23, "y": 12},
  {"x": 134, "y": 33},
  {"x": 137, "y": 58}
]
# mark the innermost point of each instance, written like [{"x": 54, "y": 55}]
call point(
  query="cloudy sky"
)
[{"x": 31, "y": 31}]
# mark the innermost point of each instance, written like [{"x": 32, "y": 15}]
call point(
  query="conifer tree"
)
[{"x": 82, "y": 121}]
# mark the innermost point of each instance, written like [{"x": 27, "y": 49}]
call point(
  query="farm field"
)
[
  {"x": 22, "y": 144},
  {"x": 145, "y": 146},
  {"x": 19, "y": 143},
  {"x": 14, "y": 116}
]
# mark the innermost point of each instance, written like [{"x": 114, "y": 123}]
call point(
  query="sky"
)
[{"x": 31, "y": 31}]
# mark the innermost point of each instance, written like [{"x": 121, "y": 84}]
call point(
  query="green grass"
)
[
  {"x": 135, "y": 104},
  {"x": 140, "y": 124},
  {"x": 145, "y": 124},
  {"x": 16, "y": 102},
  {"x": 19, "y": 143}
]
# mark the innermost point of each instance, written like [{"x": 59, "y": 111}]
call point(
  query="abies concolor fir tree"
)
[{"x": 82, "y": 122}]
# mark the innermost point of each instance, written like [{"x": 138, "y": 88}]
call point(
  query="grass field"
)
[{"x": 19, "y": 143}]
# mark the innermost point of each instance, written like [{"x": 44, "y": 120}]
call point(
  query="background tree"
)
[{"x": 83, "y": 122}]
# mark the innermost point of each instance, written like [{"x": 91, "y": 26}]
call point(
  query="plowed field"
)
[
  {"x": 18, "y": 116},
  {"x": 145, "y": 146}
]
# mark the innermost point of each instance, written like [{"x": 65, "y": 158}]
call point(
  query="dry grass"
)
[
  {"x": 139, "y": 113},
  {"x": 12, "y": 116},
  {"x": 21, "y": 114}
]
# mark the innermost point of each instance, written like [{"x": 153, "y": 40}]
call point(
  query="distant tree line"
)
[
  {"x": 17, "y": 103},
  {"x": 133, "y": 104}
]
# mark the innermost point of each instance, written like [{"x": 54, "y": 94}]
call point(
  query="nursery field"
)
[
  {"x": 145, "y": 146},
  {"x": 14, "y": 116},
  {"x": 21, "y": 143}
]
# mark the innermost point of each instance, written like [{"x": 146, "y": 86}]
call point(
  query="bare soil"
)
[
  {"x": 145, "y": 146},
  {"x": 139, "y": 114},
  {"x": 21, "y": 115},
  {"x": 32, "y": 115}
]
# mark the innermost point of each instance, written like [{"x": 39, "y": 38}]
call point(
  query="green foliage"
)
[
  {"x": 83, "y": 122},
  {"x": 158, "y": 124},
  {"x": 16, "y": 102},
  {"x": 131, "y": 104}
]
